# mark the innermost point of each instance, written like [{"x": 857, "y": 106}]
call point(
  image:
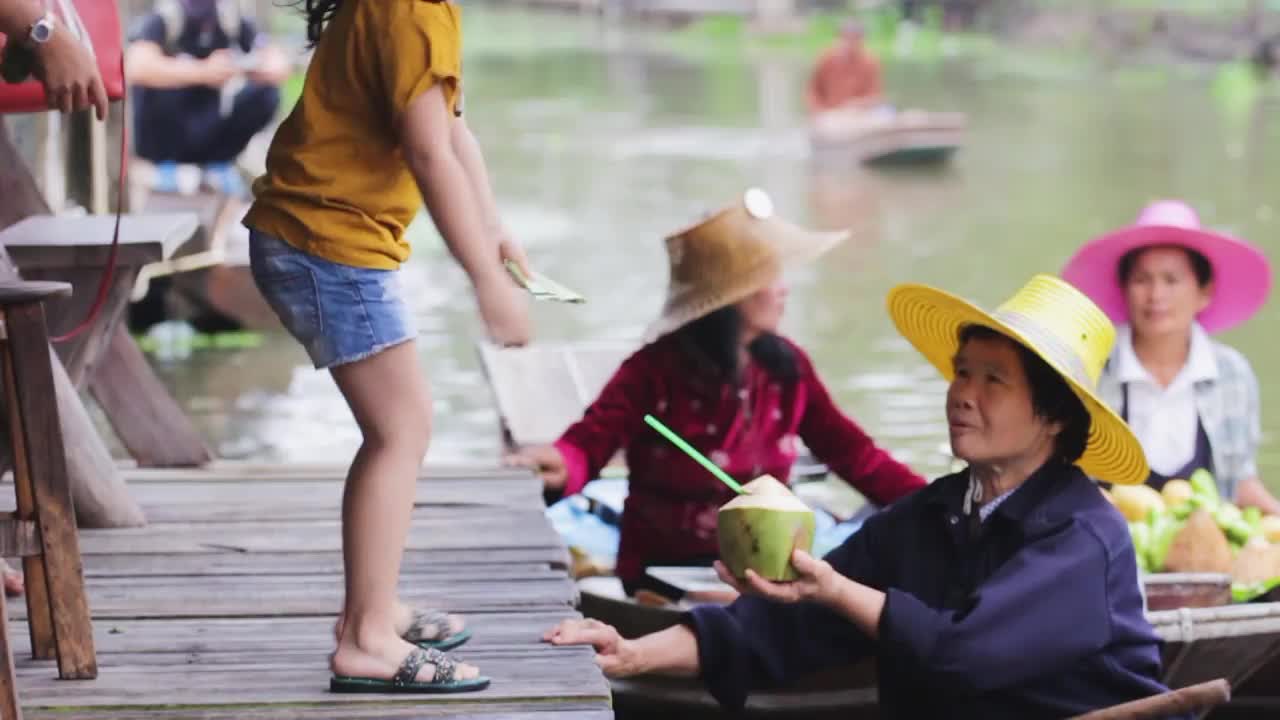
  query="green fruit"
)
[
  {"x": 1204, "y": 489},
  {"x": 1141, "y": 534},
  {"x": 1162, "y": 532},
  {"x": 760, "y": 529}
]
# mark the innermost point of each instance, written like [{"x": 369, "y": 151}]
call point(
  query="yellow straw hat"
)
[
  {"x": 1055, "y": 321},
  {"x": 740, "y": 249}
]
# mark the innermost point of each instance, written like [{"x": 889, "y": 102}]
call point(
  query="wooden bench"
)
[
  {"x": 75, "y": 249},
  {"x": 43, "y": 530}
]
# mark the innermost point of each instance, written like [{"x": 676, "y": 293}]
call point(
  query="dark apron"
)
[{"x": 1203, "y": 457}]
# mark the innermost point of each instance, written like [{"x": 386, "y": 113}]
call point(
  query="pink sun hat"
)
[{"x": 1241, "y": 273}]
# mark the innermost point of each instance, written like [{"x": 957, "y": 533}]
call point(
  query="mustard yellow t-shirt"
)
[{"x": 337, "y": 185}]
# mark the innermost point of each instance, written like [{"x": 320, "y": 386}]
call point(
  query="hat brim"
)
[
  {"x": 799, "y": 247},
  {"x": 931, "y": 319},
  {"x": 1241, "y": 273}
]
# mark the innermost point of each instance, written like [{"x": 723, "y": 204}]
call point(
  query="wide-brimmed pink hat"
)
[{"x": 1241, "y": 273}]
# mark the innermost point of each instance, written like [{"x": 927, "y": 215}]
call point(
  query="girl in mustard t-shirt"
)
[{"x": 378, "y": 129}]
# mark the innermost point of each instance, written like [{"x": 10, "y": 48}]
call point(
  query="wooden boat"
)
[
  {"x": 1235, "y": 642},
  {"x": 911, "y": 137}
]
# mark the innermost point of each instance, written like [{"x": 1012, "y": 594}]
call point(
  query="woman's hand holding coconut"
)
[{"x": 818, "y": 582}]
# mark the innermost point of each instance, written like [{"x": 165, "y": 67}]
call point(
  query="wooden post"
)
[
  {"x": 43, "y": 493},
  {"x": 99, "y": 493}
]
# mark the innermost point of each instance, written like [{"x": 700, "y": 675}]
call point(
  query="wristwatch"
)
[{"x": 41, "y": 30}]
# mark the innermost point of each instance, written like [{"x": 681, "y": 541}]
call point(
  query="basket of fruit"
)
[{"x": 1195, "y": 548}]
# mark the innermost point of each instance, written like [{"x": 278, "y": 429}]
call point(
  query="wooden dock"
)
[{"x": 223, "y": 607}]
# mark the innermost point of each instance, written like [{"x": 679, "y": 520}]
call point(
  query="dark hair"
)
[
  {"x": 1051, "y": 397},
  {"x": 1199, "y": 263},
  {"x": 318, "y": 14},
  {"x": 716, "y": 335}
]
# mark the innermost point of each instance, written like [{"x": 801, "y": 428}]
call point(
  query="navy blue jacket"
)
[{"x": 1035, "y": 613}]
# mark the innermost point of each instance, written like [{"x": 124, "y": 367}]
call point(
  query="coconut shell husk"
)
[
  {"x": 1200, "y": 546},
  {"x": 1256, "y": 563}
]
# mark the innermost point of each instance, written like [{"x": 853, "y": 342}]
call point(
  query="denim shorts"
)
[{"x": 339, "y": 313}]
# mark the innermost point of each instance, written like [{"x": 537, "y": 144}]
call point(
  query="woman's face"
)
[
  {"x": 990, "y": 416},
  {"x": 1163, "y": 294},
  {"x": 762, "y": 310}
]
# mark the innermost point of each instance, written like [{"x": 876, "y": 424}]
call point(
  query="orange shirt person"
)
[{"x": 847, "y": 74}]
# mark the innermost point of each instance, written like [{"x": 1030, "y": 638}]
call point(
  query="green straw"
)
[{"x": 702, "y": 460}]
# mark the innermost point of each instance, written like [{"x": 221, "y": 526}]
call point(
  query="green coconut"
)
[{"x": 760, "y": 529}]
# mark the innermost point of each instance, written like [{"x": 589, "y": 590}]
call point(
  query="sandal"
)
[
  {"x": 444, "y": 679},
  {"x": 423, "y": 620}
]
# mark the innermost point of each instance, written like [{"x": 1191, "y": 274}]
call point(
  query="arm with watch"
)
[{"x": 37, "y": 44}]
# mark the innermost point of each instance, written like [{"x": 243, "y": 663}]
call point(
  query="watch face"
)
[{"x": 41, "y": 31}]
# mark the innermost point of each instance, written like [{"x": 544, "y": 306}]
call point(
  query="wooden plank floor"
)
[{"x": 223, "y": 607}]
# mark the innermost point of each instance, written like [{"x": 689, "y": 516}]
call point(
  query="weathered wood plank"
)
[
  {"x": 228, "y": 610},
  {"x": 145, "y": 416},
  {"x": 275, "y": 499},
  {"x": 116, "y": 637},
  {"x": 302, "y": 680},
  {"x": 241, "y": 471},
  {"x": 314, "y": 563},
  {"x": 29, "y": 382},
  {"x": 431, "y": 530},
  {"x": 385, "y": 710},
  {"x": 230, "y": 595},
  {"x": 61, "y": 241}
]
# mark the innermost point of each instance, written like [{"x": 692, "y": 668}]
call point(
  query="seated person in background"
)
[
  {"x": 1007, "y": 590},
  {"x": 1192, "y": 401},
  {"x": 716, "y": 372},
  {"x": 205, "y": 82},
  {"x": 846, "y": 76}
]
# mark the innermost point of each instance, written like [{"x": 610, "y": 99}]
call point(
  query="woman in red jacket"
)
[{"x": 715, "y": 370}]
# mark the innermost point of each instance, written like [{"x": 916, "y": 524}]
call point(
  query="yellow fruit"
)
[
  {"x": 1176, "y": 492},
  {"x": 1270, "y": 526},
  {"x": 1137, "y": 501}
]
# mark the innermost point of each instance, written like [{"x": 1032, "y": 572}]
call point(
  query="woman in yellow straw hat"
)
[
  {"x": 716, "y": 371},
  {"x": 1008, "y": 590}
]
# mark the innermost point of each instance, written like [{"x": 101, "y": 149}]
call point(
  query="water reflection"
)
[{"x": 598, "y": 149}]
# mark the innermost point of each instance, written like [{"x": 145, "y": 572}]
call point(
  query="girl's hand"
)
[
  {"x": 504, "y": 309},
  {"x": 509, "y": 249},
  {"x": 817, "y": 581},
  {"x": 616, "y": 656}
]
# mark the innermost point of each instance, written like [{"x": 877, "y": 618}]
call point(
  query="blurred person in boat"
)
[
  {"x": 1192, "y": 401},
  {"x": 205, "y": 81},
  {"x": 715, "y": 370},
  {"x": 1006, "y": 590},
  {"x": 847, "y": 79}
]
